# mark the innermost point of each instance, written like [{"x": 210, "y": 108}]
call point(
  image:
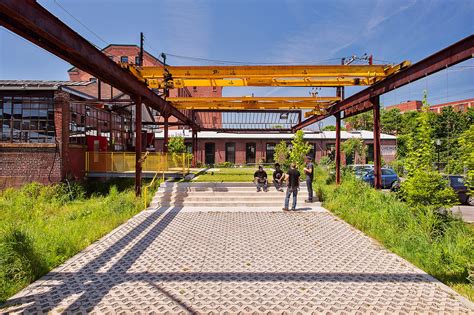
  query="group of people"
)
[{"x": 290, "y": 179}]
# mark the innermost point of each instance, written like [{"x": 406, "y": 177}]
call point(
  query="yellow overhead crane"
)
[
  {"x": 171, "y": 77},
  {"x": 275, "y": 75},
  {"x": 250, "y": 102}
]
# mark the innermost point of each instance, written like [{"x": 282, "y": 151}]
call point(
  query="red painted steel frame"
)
[
  {"x": 338, "y": 148},
  {"x": 138, "y": 146},
  {"x": 377, "y": 154}
]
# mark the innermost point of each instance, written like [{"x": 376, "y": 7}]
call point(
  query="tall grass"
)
[
  {"x": 42, "y": 226},
  {"x": 442, "y": 246}
]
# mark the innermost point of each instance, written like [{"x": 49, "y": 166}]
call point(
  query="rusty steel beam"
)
[
  {"x": 447, "y": 57},
  {"x": 377, "y": 153},
  {"x": 33, "y": 22},
  {"x": 338, "y": 148},
  {"x": 138, "y": 146}
]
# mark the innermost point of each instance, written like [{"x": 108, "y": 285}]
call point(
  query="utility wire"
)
[{"x": 78, "y": 21}]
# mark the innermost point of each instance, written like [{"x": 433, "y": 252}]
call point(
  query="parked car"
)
[
  {"x": 390, "y": 179},
  {"x": 458, "y": 184},
  {"x": 360, "y": 170}
]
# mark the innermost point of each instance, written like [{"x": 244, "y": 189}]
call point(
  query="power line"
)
[{"x": 78, "y": 21}]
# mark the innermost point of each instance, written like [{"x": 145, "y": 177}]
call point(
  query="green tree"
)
[
  {"x": 281, "y": 154},
  {"x": 362, "y": 121},
  {"x": 391, "y": 121},
  {"x": 331, "y": 128},
  {"x": 176, "y": 145},
  {"x": 177, "y": 148},
  {"x": 466, "y": 142},
  {"x": 424, "y": 188},
  {"x": 299, "y": 149},
  {"x": 353, "y": 146}
]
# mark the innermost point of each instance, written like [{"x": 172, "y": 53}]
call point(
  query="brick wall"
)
[{"x": 24, "y": 163}]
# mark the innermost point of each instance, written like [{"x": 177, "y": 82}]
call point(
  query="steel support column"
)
[
  {"x": 194, "y": 144},
  {"x": 138, "y": 145},
  {"x": 165, "y": 134},
  {"x": 338, "y": 148},
  {"x": 377, "y": 154}
]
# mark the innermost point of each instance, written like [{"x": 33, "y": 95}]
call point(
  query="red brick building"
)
[
  {"x": 254, "y": 148},
  {"x": 461, "y": 105},
  {"x": 47, "y": 126},
  {"x": 406, "y": 106}
]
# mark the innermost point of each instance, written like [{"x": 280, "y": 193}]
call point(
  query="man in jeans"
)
[
  {"x": 309, "y": 170},
  {"x": 293, "y": 180},
  {"x": 260, "y": 178}
]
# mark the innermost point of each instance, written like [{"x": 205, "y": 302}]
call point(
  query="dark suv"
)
[{"x": 458, "y": 184}]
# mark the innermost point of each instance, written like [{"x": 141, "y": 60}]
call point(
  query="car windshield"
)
[{"x": 456, "y": 180}]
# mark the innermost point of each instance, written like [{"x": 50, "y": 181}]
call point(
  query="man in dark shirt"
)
[
  {"x": 293, "y": 180},
  {"x": 278, "y": 177},
  {"x": 309, "y": 170},
  {"x": 260, "y": 179}
]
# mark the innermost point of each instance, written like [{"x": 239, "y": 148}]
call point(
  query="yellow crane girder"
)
[
  {"x": 274, "y": 75},
  {"x": 273, "y": 71},
  {"x": 303, "y": 82},
  {"x": 251, "y": 103}
]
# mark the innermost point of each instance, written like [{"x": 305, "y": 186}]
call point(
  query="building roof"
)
[
  {"x": 38, "y": 84},
  {"x": 362, "y": 134}
]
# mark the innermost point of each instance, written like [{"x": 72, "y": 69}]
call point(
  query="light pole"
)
[{"x": 438, "y": 144}]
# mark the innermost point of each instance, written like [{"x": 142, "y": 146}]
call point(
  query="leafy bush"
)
[
  {"x": 299, "y": 149},
  {"x": 353, "y": 146},
  {"x": 281, "y": 155},
  {"x": 440, "y": 246}
]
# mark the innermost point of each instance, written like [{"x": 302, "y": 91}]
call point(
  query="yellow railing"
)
[
  {"x": 123, "y": 162},
  {"x": 145, "y": 190}
]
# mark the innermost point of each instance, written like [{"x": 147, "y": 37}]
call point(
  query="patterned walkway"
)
[{"x": 193, "y": 261}]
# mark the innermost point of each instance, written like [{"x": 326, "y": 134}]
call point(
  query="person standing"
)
[
  {"x": 260, "y": 179},
  {"x": 293, "y": 180},
  {"x": 309, "y": 170},
  {"x": 278, "y": 177}
]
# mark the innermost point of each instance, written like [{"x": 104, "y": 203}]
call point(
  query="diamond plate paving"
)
[{"x": 184, "y": 260}]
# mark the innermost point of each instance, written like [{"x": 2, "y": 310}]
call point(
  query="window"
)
[
  {"x": 124, "y": 59},
  {"x": 269, "y": 153},
  {"x": 89, "y": 120},
  {"x": 195, "y": 89},
  {"x": 26, "y": 119},
  {"x": 230, "y": 152},
  {"x": 137, "y": 60}
]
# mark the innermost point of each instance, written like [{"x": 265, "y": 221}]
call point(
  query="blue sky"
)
[{"x": 265, "y": 32}]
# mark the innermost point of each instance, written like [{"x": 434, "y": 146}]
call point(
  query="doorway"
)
[
  {"x": 250, "y": 150},
  {"x": 210, "y": 153}
]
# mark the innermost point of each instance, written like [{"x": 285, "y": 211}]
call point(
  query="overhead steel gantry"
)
[
  {"x": 274, "y": 75},
  {"x": 250, "y": 102}
]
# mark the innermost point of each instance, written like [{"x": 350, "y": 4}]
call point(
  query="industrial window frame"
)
[{"x": 27, "y": 119}]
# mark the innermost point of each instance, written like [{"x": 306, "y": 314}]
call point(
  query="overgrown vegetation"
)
[
  {"x": 178, "y": 151},
  {"x": 354, "y": 146},
  {"x": 42, "y": 226},
  {"x": 440, "y": 245},
  {"x": 448, "y": 126}
]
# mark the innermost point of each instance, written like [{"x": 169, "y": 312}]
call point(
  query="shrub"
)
[
  {"x": 299, "y": 149},
  {"x": 224, "y": 165},
  {"x": 281, "y": 155},
  {"x": 440, "y": 246}
]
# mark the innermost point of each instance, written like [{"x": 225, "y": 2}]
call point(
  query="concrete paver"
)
[{"x": 189, "y": 260}]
